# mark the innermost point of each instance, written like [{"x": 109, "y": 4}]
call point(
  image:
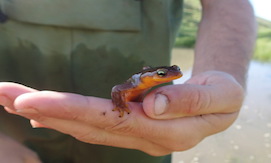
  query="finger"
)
[
  {"x": 223, "y": 95},
  {"x": 97, "y": 113},
  {"x": 94, "y": 135},
  {"x": 68, "y": 106},
  {"x": 10, "y": 91},
  {"x": 186, "y": 133}
]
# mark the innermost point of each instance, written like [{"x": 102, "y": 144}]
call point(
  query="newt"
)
[{"x": 135, "y": 88}]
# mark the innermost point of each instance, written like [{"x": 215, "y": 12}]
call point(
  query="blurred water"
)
[{"x": 248, "y": 140}]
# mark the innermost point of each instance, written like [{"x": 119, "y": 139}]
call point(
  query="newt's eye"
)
[{"x": 161, "y": 72}]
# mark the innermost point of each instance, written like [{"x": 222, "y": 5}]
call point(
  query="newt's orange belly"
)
[{"x": 134, "y": 95}]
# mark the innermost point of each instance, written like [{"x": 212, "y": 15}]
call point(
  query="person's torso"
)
[{"x": 85, "y": 47}]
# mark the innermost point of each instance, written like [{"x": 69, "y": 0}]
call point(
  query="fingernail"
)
[
  {"x": 34, "y": 124},
  {"x": 160, "y": 104},
  {"x": 27, "y": 111}
]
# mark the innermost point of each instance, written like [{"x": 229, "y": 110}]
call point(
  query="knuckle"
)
[
  {"x": 182, "y": 145},
  {"x": 181, "y": 141},
  {"x": 197, "y": 100},
  {"x": 236, "y": 96},
  {"x": 239, "y": 94}
]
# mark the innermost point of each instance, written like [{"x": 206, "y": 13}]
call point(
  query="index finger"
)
[
  {"x": 97, "y": 112},
  {"x": 10, "y": 91}
]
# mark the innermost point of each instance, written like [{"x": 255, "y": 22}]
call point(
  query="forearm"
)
[{"x": 225, "y": 38}]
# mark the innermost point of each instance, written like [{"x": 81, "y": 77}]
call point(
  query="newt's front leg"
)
[
  {"x": 121, "y": 110},
  {"x": 119, "y": 102}
]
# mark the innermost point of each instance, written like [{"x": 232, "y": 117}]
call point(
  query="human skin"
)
[
  {"x": 171, "y": 118},
  {"x": 13, "y": 152}
]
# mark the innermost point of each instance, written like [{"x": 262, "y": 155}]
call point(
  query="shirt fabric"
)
[{"x": 84, "y": 47}]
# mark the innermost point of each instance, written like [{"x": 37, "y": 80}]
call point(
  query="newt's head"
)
[{"x": 159, "y": 75}]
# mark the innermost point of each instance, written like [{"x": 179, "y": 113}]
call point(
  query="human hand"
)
[
  {"x": 208, "y": 103},
  {"x": 13, "y": 152}
]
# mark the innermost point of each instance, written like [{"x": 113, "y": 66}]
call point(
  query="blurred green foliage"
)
[
  {"x": 186, "y": 37},
  {"x": 187, "y": 33},
  {"x": 263, "y": 43}
]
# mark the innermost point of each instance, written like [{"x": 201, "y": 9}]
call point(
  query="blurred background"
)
[{"x": 248, "y": 140}]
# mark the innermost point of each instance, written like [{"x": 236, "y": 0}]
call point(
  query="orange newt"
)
[{"x": 136, "y": 86}]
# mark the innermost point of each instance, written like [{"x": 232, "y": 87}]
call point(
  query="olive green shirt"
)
[{"x": 85, "y": 47}]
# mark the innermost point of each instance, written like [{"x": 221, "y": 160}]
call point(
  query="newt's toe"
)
[
  {"x": 121, "y": 111},
  {"x": 127, "y": 110}
]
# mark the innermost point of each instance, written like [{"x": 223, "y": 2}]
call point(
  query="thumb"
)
[{"x": 192, "y": 99}]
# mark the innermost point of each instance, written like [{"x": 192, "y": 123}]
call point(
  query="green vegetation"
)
[
  {"x": 263, "y": 44},
  {"x": 188, "y": 30},
  {"x": 187, "y": 33}
]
